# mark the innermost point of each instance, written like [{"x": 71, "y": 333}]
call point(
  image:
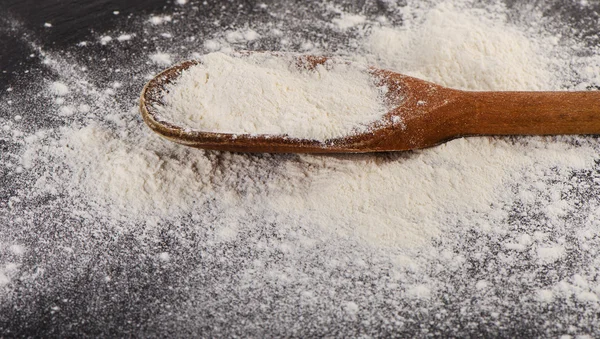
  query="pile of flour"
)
[
  {"x": 469, "y": 49},
  {"x": 421, "y": 242},
  {"x": 398, "y": 201},
  {"x": 262, "y": 93}
]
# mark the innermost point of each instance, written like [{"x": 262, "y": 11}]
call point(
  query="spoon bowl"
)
[{"x": 422, "y": 115}]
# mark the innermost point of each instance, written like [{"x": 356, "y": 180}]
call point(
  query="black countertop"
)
[{"x": 77, "y": 305}]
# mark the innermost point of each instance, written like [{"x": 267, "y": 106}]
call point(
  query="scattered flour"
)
[
  {"x": 59, "y": 88},
  {"x": 545, "y": 296},
  {"x": 550, "y": 254},
  {"x": 251, "y": 35},
  {"x": 105, "y": 40},
  {"x": 418, "y": 292},
  {"x": 349, "y": 20},
  {"x": 494, "y": 231},
  {"x": 265, "y": 94},
  {"x": 160, "y": 19},
  {"x": 159, "y": 58},
  {"x": 212, "y": 45},
  {"x": 125, "y": 37},
  {"x": 351, "y": 308},
  {"x": 465, "y": 49}
]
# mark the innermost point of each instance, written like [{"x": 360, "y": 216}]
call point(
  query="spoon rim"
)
[
  {"x": 151, "y": 95},
  {"x": 370, "y": 140}
]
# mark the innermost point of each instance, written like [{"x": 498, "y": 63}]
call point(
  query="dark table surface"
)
[{"x": 134, "y": 308}]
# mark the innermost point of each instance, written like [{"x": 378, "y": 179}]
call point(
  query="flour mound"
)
[{"x": 266, "y": 94}]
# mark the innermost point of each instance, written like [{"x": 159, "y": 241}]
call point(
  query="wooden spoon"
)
[{"x": 423, "y": 115}]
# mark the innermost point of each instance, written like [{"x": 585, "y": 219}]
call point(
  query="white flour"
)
[
  {"x": 266, "y": 94},
  {"x": 160, "y": 58},
  {"x": 348, "y": 21},
  {"x": 398, "y": 201},
  {"x": 493, "y": 231},
  {"x": 467, "y": 49}
]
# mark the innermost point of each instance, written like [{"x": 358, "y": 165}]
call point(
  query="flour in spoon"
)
[
  {"x": 478, "y": 237},
  {"x": 266, "y": 94}
]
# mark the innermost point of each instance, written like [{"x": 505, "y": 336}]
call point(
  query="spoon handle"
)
[{"x": 533, "y": 113}]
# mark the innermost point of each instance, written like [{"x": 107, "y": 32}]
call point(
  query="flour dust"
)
[{"x": 501, "y": 232}]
